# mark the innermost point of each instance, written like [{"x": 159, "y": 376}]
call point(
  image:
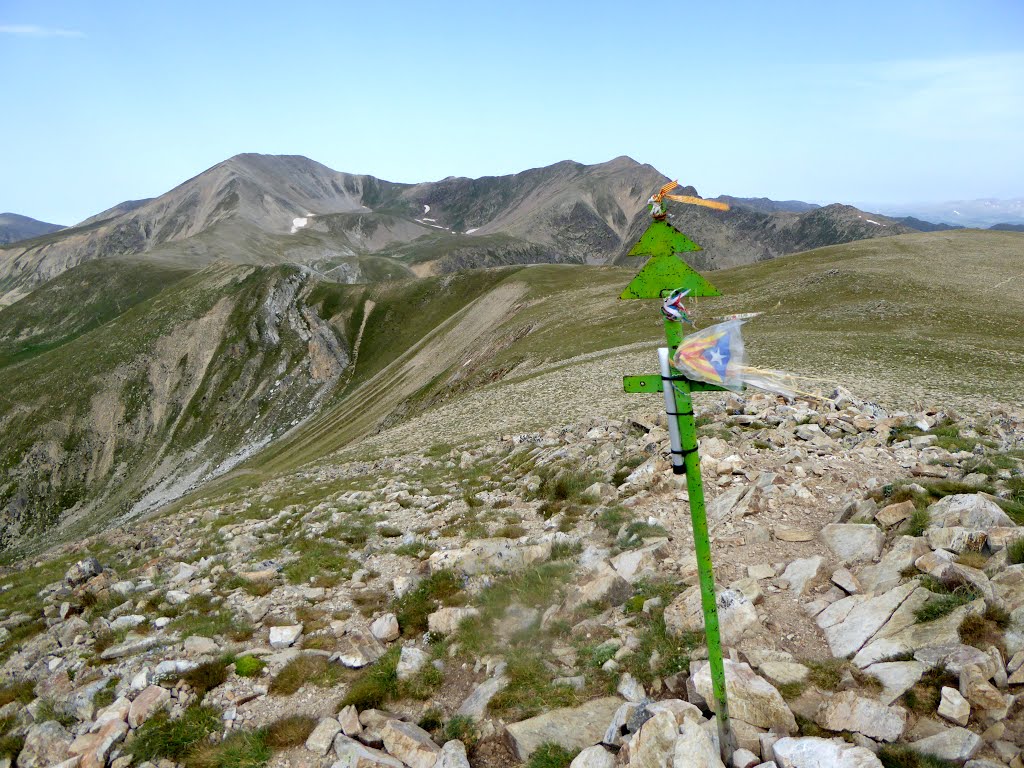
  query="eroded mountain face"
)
[{"x": 172, "y": 391}]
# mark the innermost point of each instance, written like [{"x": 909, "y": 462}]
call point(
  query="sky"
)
[{"x": 824, "y": 102}]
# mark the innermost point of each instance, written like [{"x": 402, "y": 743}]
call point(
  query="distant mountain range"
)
[
  {"x": 268, "y": 209},
  {"x": 983, "y": 213},
  {"x": 14, "y": 228}
]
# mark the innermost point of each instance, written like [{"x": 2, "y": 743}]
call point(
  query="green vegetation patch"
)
[
  {"x": 314, "y": 670},
  {"x": 549, "y": 755},
  {"x": 379, "y": 683},
  {"x": 530, "y": 689},
  {"x": 161, "y": 737},
  {"x": 412, "y": 609},
  {"x": 902, "y": 756},
  {"x": 319, "y": 564}
]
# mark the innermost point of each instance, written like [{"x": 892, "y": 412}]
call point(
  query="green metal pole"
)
[{"x": 701, "y": 541}]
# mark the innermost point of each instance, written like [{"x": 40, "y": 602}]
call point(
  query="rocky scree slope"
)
[
  {"x": 532, "y": 599},
  {"x": 172, "y": 390},
  {"x": 357, "y": 228}
]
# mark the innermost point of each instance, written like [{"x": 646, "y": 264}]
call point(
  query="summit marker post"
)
[{"x": 662, "y": 275}]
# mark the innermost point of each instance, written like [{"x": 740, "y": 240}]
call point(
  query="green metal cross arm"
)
[{"x": 634, "y": 384}]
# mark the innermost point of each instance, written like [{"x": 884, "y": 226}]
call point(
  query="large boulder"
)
[
  {"x": 812, "y": 752},
  {"x": 736, "y": 614},
  {"x": 694, "y": 748},
  {"x": 853, "y": 542},
  {"x": 82, "y": 571},
  {"x": 974, "y": 511},
  {"x": 751, "y": 698},
  {"x": 847, "y": 711},
  {"x": 46, "y": 744},
  {"x": 955, "y": 744},
  {"x": 410, "y": 744},
  {"x": 571, "y": 728},
  {"x": 654, "y": 743},
  {"x": 852, "y": 621}
]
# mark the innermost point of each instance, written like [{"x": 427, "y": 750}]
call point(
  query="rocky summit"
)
[{"x": 532, "y": 600}]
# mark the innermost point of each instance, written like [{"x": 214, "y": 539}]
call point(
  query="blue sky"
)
[{"x": 874, "y": 101}]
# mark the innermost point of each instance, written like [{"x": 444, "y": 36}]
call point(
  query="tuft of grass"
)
[
  {"x": 672, "y": 653},
  {"x": 200, "y": 615},
  {"x": 289, "y": 731},
  {"x": 249, "y": 666},
  {"x": 47, "y": 711},
  {"x": 972, "y": 560},
  {"x": 550, "y": 755},
  {"x": 924, "y": 696},
  {"x": 637, "y": 531},
  {"x": 320, "y": 563},
  {"x": 511, "y": 531},
  {"x": 379, "y": 683},
  {"x": 902, "y": 756},
  {"x": 918, "y": 522},
  {"x": 22, "y": 691},
  {"x": 241, "y": 749},
  {"x": 612, "y": 518},
  {"x": 412, "y": 609},
  {"x": 206, "y": 677},
  {"x": 982, "y": 631},
  {"x": 567, "y": 485},
  {"x": 316, "y": 670},
  {"x": 791, "y": 691},
  {"x": 943, "y": 605},
  {"x": 826, "y": 674},
  {"x": 461, "y": 728},
  {"x": 161, "y": 737},
  {"x": 413, "y": 549},
  {"x": 530, "y": 690},
  {"x": 807, "y": 727},
  {"x": 1015, "y": 551}
]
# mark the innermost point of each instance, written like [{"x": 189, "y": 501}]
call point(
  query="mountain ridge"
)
[
  {"x": 263, "y": 209},
  {"x": 14, "y": 227}
]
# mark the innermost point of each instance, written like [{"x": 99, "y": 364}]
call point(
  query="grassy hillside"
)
[
  {"x": 883, "y": 317},
  {"x": 274, "y": 368},
  {"x": 76, "y": 302}
]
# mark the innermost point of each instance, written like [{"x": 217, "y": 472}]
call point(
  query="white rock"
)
[
  {"x": 847, "y": 711},
  {"x": 321, "y": 739},
  {"x": 411, "y": 661},
  {"x": 694, "y": 748},
  {"x": 956, "y": 744},
  {"x": 284, "y": 637},
  {"x": 974, "y": 511},
  {"x": 896, "y": 677},
  {"x": 385, "y": 628},
  {"x": 736, "y": 614},
  {"x": 445, "y": 621},
  {"x": 751, "y": 697},
  {"x": 954, "y": 707},
  {"x": 799, "y": 572},
  {"x": 594, "y": 757},
  {"x": 453, "y": 755},
  {"x": 812, "y": 752},
  {"x": 852, "y": 542}
]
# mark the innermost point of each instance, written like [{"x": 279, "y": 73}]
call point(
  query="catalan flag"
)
[{"x": 714, "y": 354}]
